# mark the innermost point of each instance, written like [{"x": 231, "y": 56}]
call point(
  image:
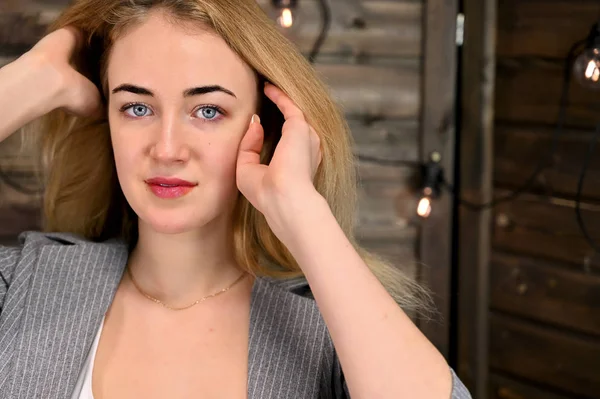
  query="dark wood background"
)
[{"x": 545, "y": 280}]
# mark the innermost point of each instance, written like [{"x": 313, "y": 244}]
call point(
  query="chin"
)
[{"x": 174, "y": 221}]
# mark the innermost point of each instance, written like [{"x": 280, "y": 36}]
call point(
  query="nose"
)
[{"x": 169, "y": 145}]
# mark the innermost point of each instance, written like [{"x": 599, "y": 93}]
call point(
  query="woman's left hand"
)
[{"x": 286, "y": 183}]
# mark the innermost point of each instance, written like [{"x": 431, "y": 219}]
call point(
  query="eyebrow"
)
[{"x": 194, "y": 91}]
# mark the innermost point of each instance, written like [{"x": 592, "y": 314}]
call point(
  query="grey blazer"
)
[{"x": 55, "y": 289}]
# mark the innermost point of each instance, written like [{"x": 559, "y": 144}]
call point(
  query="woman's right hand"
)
[{"x": 53, "y": 56}]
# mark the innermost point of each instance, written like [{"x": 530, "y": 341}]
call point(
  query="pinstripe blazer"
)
[{"x": 55, "y": 289}]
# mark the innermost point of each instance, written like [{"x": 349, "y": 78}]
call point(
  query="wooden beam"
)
[
  {"x": 437, "y": 124},
  {"x": 475, "y": 165}
]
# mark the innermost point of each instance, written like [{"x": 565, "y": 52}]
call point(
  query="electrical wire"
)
[
  {"x": 584, "y": 168},
  {"x": 545, "y": 161},
  {"x": 326, "y": 24}
]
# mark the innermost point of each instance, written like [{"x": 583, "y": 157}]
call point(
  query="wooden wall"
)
[
  {"x": 545, "y": 278},
  {"x": 371, "y": 60}
]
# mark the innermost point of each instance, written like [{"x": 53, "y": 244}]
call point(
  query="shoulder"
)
[
  {"x": 32, "y": 243},
  {"x": 28, "y": 242}
]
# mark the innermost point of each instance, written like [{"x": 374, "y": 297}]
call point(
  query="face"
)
[{"x": 179, "y": 105}]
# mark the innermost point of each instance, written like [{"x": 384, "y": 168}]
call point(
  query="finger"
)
[
  {"x": 252, "y": 143},
  {"x": 283, "y": 102},
  {"x": 315, "y": 143},
  {"x": 249, "y": 169}
]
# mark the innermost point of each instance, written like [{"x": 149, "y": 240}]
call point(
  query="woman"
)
[{"x": 199, "y": 216}]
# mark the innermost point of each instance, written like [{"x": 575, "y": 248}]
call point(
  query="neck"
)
[{"x": 182, "y": 268}]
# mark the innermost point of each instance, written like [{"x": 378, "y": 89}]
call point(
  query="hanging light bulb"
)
[
  {"x": 285, "y": 12},
  {"x": 432, "y": 173},
  {"x": 424, "y": 206},
  {"x": 587, "y": 65}
]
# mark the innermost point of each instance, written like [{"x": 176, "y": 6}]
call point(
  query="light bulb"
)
[
  {"x": 424, "y": 207},
  {"x": 587, "y": 68},
  {"x": 284, "y": 13},
  {"x": 286, "y": 18}
]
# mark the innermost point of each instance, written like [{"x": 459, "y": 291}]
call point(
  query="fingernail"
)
[{"x": 255, "y": 119}]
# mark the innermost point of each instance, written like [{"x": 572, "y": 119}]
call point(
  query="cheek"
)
[
  {"x": 124, "y": 154},
  {"x": 222, "y": 158}
]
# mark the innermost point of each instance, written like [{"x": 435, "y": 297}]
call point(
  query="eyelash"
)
[{"x": 215, "y": 107}]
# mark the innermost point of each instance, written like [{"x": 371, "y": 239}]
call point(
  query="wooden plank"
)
[
  {"x": 387, "y": 202},
  {"x": 519, "y": 150},
  {"x": 376, "y": 92},
  {"x": 546, "y": 227},
  {"x": 545, "y": 292},
  {"x": 501, "y": 387},
  {"x": 543, "y": 28},
  {"x": 437, "y": 123},
  {"x": 360, "y": 29},
  {"x": 528, "y": 91},
  {"x": 390, "y": 140},
  {"x": 554, "y": 358},
  {"x": 475, "y": 166}
]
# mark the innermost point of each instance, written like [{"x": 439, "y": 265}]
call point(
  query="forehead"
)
[{"x": 163, "y": 57}]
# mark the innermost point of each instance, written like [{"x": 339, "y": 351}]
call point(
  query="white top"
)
[{"x": 83, "y": 388}]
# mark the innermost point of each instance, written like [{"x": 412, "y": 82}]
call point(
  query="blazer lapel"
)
[
  {"x": 65, "y": 292},
  {"x": 286, "y": 343}
]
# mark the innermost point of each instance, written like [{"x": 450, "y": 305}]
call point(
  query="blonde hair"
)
[{"x": 83, "y": 195}]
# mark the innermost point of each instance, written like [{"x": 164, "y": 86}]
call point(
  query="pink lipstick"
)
[{"x": 168, "y": 187}]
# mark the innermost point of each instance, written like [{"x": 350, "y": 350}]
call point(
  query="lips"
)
[
  {"x": 167, "y": 187},
  {"x": 169, "y": 181}
]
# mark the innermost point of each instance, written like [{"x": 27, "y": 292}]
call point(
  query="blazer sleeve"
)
[
  {"x": 339, "y": 388},
  {"x": 9, "y": 257}
]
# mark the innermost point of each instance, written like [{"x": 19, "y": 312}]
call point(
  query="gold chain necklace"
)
[{"x": 158, "y": 301}]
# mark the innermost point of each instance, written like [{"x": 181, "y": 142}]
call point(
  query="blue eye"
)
[
  {"x": 139, "y": 110},
  {"x": 209, "y": 112}
]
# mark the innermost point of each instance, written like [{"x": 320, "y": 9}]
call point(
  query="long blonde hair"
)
[{"x": 82, "y": 193}]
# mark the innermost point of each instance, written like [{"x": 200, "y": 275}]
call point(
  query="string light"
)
[
  {"x": 424, "y": 207},
  {"x": 587, "y": 64},
  {"x": 433, "y": 179},
  {"x": 286, "y": 10}
]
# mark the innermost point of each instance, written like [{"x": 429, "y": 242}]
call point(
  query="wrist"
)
[
  {"x": 301, "y": 216},
  {"x": 41, "y": 78}
]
